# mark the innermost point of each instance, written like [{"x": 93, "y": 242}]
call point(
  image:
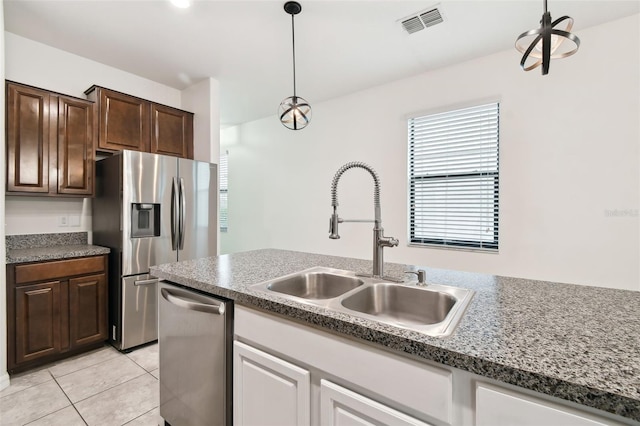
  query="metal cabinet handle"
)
[
  {"x": 216, "y": 308},
  {"x": 145, "y": 282}
]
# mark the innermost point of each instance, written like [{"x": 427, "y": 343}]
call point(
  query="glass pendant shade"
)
[
  {"x": 295, "y": 113},
  {"x": 541, "y": 45}
]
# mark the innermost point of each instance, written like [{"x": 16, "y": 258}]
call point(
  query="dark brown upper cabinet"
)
[
  {"x": 172, "y": 131},
  {"x": 75, "y": 146},
  {"x": 124, "y": 120},
  {"x": 49, "y": 143},
  {"x": 128, "y": 122}
]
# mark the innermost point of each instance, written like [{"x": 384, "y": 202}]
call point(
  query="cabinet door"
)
[
  {"x": 171, "y": 131},
  {"x": 87, "y": 309},
  {"x": 75, "y": 146},
  {"x": 267, "y": 390},
  {"x": 30, "y": 143},
  {"x": 341, "y": 407},
  {"x": 124, "y": 122},
  {"x": 500, "y": 407},
  {"x": 38, "y": 320}
]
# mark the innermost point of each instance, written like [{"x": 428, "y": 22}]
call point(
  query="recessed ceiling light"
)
[{"x": 182, "y": 4}]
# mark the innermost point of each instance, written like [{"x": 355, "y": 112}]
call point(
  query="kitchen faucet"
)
[{"x": 379, "y": 241}]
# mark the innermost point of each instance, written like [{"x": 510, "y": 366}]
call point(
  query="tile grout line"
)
[
  {"x": 114, "y": 386},
  {"x": 133, "y": 378},
  {"x": 53, "y": 412},
  {"x": 48, "y": 368},
  {"x": 143, "y": 414},
  {"x": 53, "y": 378},
  {"x": 88, "y": 366},
  {"x": 21, "y": 390},
  {"x": 137, "y": 363},
  {"x": 119, "y": 355},
  {"x": 71, "y": 402}
]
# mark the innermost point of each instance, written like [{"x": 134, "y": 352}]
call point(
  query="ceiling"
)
[{"x": 341, "y": 46}]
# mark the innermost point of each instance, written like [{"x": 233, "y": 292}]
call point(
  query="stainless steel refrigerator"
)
[{"x": 150, "y": 209}]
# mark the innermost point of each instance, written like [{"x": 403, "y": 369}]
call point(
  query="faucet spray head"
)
[{"x": 333, "y": 225}]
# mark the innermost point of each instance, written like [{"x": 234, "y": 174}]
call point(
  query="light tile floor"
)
[{"x": 101, "y": 387}]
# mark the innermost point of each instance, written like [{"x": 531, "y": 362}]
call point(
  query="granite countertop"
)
[
  {"x": 42, "y": 247},
  {"x": 578, "y": 343},
  {"x": 39, "y": 254}
]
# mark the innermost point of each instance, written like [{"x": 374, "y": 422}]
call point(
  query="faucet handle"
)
[
  {"x": 422, "y": 276},
  {"x": 388, "y": 242}
]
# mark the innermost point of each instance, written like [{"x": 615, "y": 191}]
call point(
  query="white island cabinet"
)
[
  {"x": 496, "y": 406},
  {"x": 268, "y": 391},
  {"x": 287, "y": 373},
  {"x": 342, "y": 407}
]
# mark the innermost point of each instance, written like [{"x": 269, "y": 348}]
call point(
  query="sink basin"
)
[
  {"x": 434, "y": 310},
  {"x": 403, "y": 304},
  {"x": 315, "y": 284}
]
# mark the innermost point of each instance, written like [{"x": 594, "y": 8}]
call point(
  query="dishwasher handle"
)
[
  {"x": 216, "y": 308},
  {"x": 138, "y": 283}
]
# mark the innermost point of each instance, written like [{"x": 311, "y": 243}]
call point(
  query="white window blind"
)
[
  {"x": 453, "y": 178},
  {"x": 224, "y": 189}
]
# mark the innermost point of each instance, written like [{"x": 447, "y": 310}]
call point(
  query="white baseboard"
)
[{"x": 4, "y": 380}]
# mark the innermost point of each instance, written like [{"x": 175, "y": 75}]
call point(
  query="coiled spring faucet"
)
[{"x": 379, "y": 240}]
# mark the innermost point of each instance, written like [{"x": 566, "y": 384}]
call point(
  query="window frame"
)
[
  {"x": 224, "y": 157},
  {"x": 413, "y": 180}
]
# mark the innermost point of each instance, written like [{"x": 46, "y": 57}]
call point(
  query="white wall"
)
[
  {"x": 569, "y": 152},
  {"x": 39, "y": 65},
  {"x": 202, "y": 99}
]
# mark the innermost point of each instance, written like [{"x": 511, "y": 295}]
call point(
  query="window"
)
[
  {"x": 224, "y": 188},
  {"x": 453, "y": 178}
]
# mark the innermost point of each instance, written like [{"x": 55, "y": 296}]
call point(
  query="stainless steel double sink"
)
[{"x": 434, "y": 309}]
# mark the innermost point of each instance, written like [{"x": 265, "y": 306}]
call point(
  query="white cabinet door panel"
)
[
  {"x": 268, "y": 391},
  {"x": 342, "y": 407},
  {"x": 501, "y": 407}
]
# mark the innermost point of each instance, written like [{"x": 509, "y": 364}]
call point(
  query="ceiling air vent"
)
[
  {"x": 413, "y": 25},
  {"x": 431, "y": 18},
  {"x": 422, "y": 20}
]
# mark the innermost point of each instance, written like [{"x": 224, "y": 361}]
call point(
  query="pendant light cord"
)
[{"x": 293, "y": 38}]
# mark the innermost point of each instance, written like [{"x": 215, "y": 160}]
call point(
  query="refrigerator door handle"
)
[
  {"x": 216, "y": 308},
  {"x": 175, "y": 214},
  {"x": 183, "y": 212}
]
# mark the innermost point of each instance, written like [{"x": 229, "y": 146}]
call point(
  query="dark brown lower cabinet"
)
[
  {"x": 55, "y": 309},
  {"x": 37, "y": 321},
  {"x": 87, "y": 313}
]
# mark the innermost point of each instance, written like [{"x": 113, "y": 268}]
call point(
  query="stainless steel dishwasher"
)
[{"x": 195, "y": 334}]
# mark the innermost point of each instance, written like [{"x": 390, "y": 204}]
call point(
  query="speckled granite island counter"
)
[
  {"x": 43, "y": 247},
  {"x": 578, "y": 343}
]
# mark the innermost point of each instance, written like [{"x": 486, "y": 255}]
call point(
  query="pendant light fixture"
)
[
  {"x": 294, "y": 111},
  {"x": 541, "y": 45}
]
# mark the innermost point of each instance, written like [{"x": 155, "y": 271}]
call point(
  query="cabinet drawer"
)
[
  {"x": 501, "y": 407},
  {"x": 59, "y": 269}
]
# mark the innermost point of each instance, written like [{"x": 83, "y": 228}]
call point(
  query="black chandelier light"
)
[
  {"x": 294, "y": 111},
  {"x": 541, "y": 45}
]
